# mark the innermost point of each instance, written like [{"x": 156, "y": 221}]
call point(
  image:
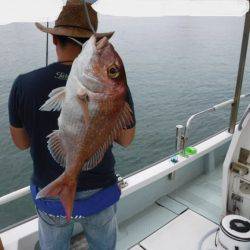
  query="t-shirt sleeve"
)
[
  {"x": 131, "y": 104},
  {"x": 14, "y": 105}
]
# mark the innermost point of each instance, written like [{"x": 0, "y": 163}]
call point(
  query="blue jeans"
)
[{"x": 99, "y": 229}]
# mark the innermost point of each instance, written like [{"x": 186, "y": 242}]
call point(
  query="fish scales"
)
[{"x": 93, "y": 113}]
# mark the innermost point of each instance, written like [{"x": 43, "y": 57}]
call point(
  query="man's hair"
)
[{"x": 64, "y": 40}]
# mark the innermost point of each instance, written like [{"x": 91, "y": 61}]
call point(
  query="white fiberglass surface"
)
[
  {"x": 157, "y": 8},
  {"x": 203, "y": 195},
  {"x": 29, "y": 10},
  {"x": 177, "y": 235},
  {"x": 140, "y": 226}
]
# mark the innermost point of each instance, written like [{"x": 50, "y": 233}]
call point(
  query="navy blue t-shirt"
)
[{"x": 27, "y": 95}]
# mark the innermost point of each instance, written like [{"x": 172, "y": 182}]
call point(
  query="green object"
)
[{"x": 190, "y": 151}]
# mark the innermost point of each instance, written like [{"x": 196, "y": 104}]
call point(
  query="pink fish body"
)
[{"x": 93, "y": 113}]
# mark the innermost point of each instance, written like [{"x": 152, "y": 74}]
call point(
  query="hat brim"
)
[{"x": 71, "y": 32}]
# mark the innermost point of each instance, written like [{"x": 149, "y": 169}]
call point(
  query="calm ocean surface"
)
[{"x": 176, "y": 66}]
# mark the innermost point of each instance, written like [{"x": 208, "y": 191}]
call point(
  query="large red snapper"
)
[{"x": 93, "y": 113}]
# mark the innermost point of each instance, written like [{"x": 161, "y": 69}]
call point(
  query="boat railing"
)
[
  {"x": 26, "y": 190},
  {"x": 182, "y": 132},
  {"x": 244, "y": 117},
  {"x": 181, "y": 140},
  {"x": 14, "y": 195}
]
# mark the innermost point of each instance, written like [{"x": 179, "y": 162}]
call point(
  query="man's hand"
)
[
  {"x": 126, "y": 137},
  {"x": 20, "y": 137}
]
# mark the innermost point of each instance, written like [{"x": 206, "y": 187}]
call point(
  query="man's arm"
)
[
  {"x": 18, "y": 133},
  {"x": 126, "y": 137},
  {"x": 20, "y": 137}
]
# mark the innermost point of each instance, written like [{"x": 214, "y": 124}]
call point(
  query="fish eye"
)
[{"x": 113, "y": 71}]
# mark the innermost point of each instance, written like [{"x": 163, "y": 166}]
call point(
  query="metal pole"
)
[
  {"x": 47, "y": 47},
  {"x": 178, "y": 138},
  {"x": 244, "y": 45},
  {"x": 184, "y": 136},
  {"x": 178, "y": 145}
]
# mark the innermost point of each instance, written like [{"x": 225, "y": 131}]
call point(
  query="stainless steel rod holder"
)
[{"x": 178, "y": 138}]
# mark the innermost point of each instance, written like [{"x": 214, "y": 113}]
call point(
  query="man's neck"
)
[
  {"x": 67, "y": 56},
  {"x": 66, "y": 59}
]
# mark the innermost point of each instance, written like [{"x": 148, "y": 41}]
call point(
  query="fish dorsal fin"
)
[
  {"x": 56, "y": 148},
  {"x": 124, "y": 120},
  {"x": 54, "y": 103}
]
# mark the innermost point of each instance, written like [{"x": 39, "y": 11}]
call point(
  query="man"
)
[{"x": 29, "y": 128}]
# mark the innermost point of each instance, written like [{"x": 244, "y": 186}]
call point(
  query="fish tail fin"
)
[{"x": 64, "y": 188}]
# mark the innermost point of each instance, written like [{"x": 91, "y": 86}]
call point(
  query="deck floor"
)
[
  {"x": 168, "y": 237},
  {"x": 202, "y": 195}
]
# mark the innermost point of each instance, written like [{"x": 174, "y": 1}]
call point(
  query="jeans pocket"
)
[
  {"x": 102, "y": 217},
  {"x": 52, "y": 220}
]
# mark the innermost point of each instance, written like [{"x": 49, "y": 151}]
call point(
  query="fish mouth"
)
[
  {"x": 99, "y": 43},
  {"x": 90, "y": 82},
  {"x": 102, "y": 43}
]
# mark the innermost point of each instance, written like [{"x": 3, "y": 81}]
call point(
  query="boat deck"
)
[
  {"x": 201, "y": 198},
  {"x": 203, "y": 195}
]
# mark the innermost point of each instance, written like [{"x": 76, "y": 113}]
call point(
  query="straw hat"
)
[{"x": 73, "y": 22}]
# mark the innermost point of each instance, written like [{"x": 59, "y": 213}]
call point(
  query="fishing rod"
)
[
  {"x": 47, "y": 47},
  {"x": 86, "y": 12}
]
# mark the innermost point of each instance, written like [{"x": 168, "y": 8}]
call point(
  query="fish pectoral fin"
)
[
  {"x": 125, "y": 118},
  {"x": 54, "y": 103},
  {"x": 82, "y": 95},
  {"x": 56, "y": 148},
  {"x": 83, "y": 99}
]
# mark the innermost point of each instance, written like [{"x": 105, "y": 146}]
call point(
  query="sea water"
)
[{"x": 176, "y": 66}]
